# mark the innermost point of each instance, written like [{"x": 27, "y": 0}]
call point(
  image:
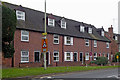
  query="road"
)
[
  {"x": 103, "y": 74},
  {"x": 106, "y": 73}
]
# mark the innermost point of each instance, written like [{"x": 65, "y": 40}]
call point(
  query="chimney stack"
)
[{"x": 110, "y": 31}]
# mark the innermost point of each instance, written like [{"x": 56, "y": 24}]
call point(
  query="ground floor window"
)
[
  {"x": 68, "y": 56},
  {"x": 56, "y": 55},
  {"x": 24, "y": 56},
  {"x": 86, "y": 56},
  {"x": 95, "y": 56}
]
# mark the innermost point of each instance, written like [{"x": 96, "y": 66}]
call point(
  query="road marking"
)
[{"x": 113, "y": 76}]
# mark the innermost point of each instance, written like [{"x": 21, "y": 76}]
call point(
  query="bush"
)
[{"x": 100, "y": 61}]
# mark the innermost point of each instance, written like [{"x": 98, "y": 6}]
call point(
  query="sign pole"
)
[{"x": 45, "y": 38}]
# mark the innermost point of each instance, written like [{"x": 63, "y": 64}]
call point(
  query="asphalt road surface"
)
[{"x": 106, "y": 73}]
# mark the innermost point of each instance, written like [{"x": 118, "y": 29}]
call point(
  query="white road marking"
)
[{"x": 113, "y": 76}]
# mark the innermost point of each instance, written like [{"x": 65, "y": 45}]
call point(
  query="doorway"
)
[
  {"x": 81, "y": 57},
  {"x": 75, "y": 56},
  {"x": 37, "y": 56}
]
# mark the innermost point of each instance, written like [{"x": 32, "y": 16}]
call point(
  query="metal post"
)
[{"x": 45, "y": 38}]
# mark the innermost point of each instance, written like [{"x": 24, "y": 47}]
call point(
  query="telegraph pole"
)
[{"x": 45, "y": 38}]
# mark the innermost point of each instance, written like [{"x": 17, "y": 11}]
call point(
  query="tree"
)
[{"x": 8, "y": 29}]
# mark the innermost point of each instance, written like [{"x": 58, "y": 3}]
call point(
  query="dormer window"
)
[
  {"x": 82, "y": 28},
  {"x": 51, "y": 22},
  {"x": 20, "y": 15},
  {"x": 63, "y": 24},
  {"x": 102, "y": 33},
  {"x": 116, "y": 38},
  {"x": 90, "y": 30}
]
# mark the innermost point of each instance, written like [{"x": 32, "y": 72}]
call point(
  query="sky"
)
[{"x": 96, "y": 12}]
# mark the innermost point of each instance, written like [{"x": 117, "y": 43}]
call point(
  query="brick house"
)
[
  {"x": 70, "y": 42},
  {"x": 115, "y": 41}
]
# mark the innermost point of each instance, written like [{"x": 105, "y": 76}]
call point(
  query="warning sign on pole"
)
[{"x": 44, "y": 45}]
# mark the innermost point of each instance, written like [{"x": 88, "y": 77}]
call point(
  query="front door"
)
[
  {"x": 47, "y": 58},
  {"x": 75, "y": 56},
  {"x": 81, "y": 57},
  {"x": 37, "y": 56}
]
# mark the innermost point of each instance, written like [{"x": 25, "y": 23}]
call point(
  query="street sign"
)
[
  {"x": 117, "y": 56},
  {"x": 44, "y": 34},
  {"x": 44, "y": 45},
  {"x": 90, "y": 53}
]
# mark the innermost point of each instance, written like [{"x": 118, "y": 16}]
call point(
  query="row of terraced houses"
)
[{"x": 70, "y": 42}]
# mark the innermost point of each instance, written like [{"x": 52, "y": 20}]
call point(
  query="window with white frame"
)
[
  {"x": 107, "y": 45},
  {"x": 108, "y": 56},
  {"x": 56, "y": 39},
  {"x": 68, "y": 56},
  {"x": 95, "y": 43},
  {"x": 116, "y": 38},
  {"x": 63, "y": 24},
  {"x": 82, "y": 28},
  {"x": 90, "y": 30},
  {"x": 24, "y": 56},
  {"x": 102, "y": 33},
  {"x": 56, "y": 56},
  {"x": 68, "y": 40},
  {"x": 20, "y": 15},
  {"x": 51, "y": 22},
  {"x": 24, "y": 35},
  {"x": 86, "y": 42},
  {"x": 95, "y": 56},
  {"x": 86, "y": 56}
]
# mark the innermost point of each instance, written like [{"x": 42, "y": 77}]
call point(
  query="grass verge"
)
[{"x": 20, "y": 72}]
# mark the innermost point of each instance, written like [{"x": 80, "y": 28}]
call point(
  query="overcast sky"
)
[{"x": 96, "y": 12}]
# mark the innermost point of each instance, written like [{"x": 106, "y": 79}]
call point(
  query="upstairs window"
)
[
  {"x": 68, "y": 40},
  {"x": 107, "y": 45},
  {"x": 86, "y": 42},
  {"x": 95, "y": 43},
  {"x": 82, "y": 28},
  {"x": 116, "y": 38},
  {"x": 63, "y": 24},
  {"x": 56, "y": 39},
  {"x": 102, "y": 33},
  {"x": 20, "y": 15},
  {"x": 24, "y": 35},
  {"x": 24, "y": 56},
  {"x": 90, "y": 30},
  {"x": 51, "y": 22},
  {"x": 56, "y": 56}
]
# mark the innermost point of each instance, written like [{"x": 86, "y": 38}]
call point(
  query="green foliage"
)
[
  {"x": 19, "y": 72},
  {"x": 8, "y": 29},
  {"x": 9, "y": 50},
  {"x": 8, "y": 24},
  {"x": 115, "y": 59},
  {"x": 101, "y": 60}
]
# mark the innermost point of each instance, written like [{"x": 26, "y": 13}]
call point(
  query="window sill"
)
[
  {"x": 56, "y": 43},
  {"x": 24, "y": 41}
]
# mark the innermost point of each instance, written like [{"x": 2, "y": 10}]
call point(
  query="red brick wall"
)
[{"x": 34, "y": 44}]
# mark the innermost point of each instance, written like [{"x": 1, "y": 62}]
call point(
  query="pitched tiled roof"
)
[{"x": 34, "y": 20}]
